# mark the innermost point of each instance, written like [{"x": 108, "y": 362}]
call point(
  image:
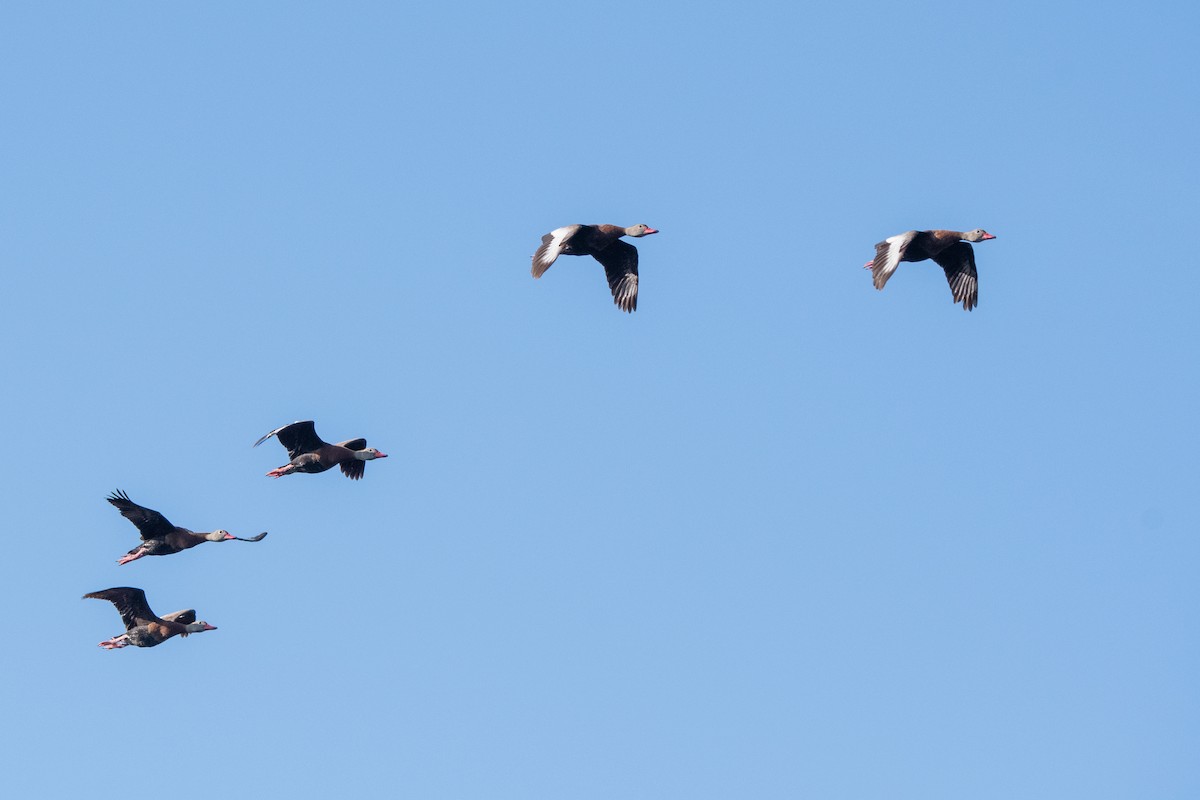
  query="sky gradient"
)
[{"x": 774, "y": 535}]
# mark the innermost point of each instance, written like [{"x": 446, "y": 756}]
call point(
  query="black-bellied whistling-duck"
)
[
  {"x": 142, "y": 627},
  {"x": 950, "y": 249},
  {"x": 310, "y": 454},
  {"x": 159, "y": 536},
  {"x": 603, "y": 243}
]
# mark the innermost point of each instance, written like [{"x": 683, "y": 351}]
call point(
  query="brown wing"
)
[
  {"x": 185, "y": 617},
  {"x": 620, "y": 260},
  {"x": 299, "y": 438},
  {"x": 131, "y": 604},
  {"x": 150, "y": 523},
  {"x": 354, "y": 444},
  {"x": 958, "y": 260}
]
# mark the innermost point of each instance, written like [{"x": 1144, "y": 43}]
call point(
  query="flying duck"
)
[
  {"x": 159, "y": 536},
  {"x": 142, "y": 627},
  {"x": 950, "y": 249},
  {"x": 309, "y": 453},
  {"x": 603, "y": 243}
]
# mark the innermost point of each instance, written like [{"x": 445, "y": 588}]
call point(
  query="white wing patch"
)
[
  {"x": 887, "y": 256},
  {"x": 552, "y": 247}
]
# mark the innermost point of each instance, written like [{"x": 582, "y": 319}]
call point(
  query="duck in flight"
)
[
  {"x": 309, "y": 453},
  {"x": 142, "y": 627},
  {"x": 603, "y": 243},
  {"x": 159, "y": 536},
  {"x": 950, "y": 249}
]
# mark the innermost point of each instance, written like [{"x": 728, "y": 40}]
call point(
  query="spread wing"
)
[
  {"x": 185, "y": 617},
  {"x": 958, "y": 260},
  {"x": 354, "y": 444},
  {"x": 299, "y": 438},
  {"x": 553, "y": 244},
  {"x": 150, "y": 523},
  {"x": 131, "y": 604},
  {"x": 620, "y": 260},
  {"x": 887, "y": 256}
]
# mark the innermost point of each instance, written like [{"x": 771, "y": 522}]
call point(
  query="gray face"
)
[{"x": 976, "y": 235}]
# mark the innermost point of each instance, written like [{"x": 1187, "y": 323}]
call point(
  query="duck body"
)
[
  {"x": 927, "y": 244},
  {"x": 603, "y": 243},
  {"x": 168, "y": 545},
  {"x": 148, "y": 634},
  {"x": 585, "y": 240}
]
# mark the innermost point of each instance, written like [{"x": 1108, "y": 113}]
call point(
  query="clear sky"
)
[{"x": 776, "y": 535}]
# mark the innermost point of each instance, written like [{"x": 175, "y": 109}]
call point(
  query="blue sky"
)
[{"x": 775, "y": 535}]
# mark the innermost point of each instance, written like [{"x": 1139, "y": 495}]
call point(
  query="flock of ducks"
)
[
  {"x": 143, "y": 628},
  {"x": 951, "y": 250}
]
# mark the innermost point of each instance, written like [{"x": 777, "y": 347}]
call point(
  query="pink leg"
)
[
  {"x": 279, "y": 472},
  {"x": 115, "y": 643},
  {"x": 134, "y": 556},
  {"x": 868, "y": 265}
]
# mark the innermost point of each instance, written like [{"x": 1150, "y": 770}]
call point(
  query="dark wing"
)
[
  {"x": 131, "y": 604},
  {"x": 354, "y": 468},
  {"x": 959, "y": 262},
  {"x": 185, "y": 617},
  {"x": 299, "y": 438},
  {"x": 620, "y": 260},
  {"x": 149, "y": 522}
]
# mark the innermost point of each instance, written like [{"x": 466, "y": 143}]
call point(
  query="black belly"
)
[
  {"x": 158, "y": 547},
  {"x": 921, "y": 247},
  {"x": 140, "y": 637}
]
